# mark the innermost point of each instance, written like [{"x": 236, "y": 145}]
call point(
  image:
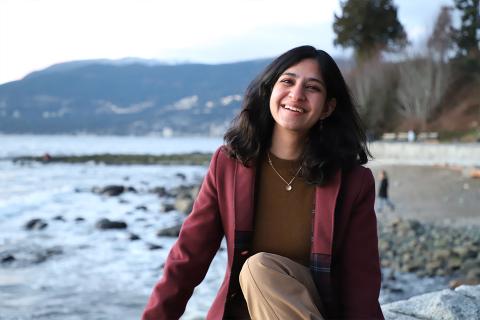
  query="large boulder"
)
[{"x": 459, "y": 304}]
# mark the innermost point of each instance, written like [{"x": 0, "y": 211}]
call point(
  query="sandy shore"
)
[{"x": 432, "y": 194}]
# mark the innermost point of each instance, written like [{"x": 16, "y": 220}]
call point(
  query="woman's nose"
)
[{"x": 297, "y": 92}]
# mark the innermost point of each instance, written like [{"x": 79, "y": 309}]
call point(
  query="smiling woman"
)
[{"x": 290, "y": 196}]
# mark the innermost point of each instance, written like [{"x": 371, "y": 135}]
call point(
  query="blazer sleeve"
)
[
  {"x": 191, "y": 255},
  {"x": 361, "y": 275}
]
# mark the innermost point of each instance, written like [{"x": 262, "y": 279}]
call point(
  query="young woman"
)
[{"x": 289, "y": 194}]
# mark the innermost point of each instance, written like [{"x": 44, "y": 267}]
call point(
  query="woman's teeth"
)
[{"x": 293, "y": 108}]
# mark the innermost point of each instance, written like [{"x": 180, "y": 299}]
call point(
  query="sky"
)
[{"x": 35, "y": 34}]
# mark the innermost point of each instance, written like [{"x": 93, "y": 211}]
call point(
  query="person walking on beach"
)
[
  {"x": 289, "y": 194},
  {"x": 383, "y": 198}
]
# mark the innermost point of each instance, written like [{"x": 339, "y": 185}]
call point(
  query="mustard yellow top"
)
[{"x": 283, "y": 219}]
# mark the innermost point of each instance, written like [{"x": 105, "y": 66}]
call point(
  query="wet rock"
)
[
  {"x": 153, "y": 246},
  {"x": 79, "y": 219},
  {"x": 132, "y": 189},
  {"x": 167, "y": 207},
  {"x": 185, "y": 198},
  {"x": 160, "y": 191},
  {"x": 133, "y": 237},
  {"x": 25, "y": 255},
  {"x": 8, "y": 258},
  {"x": 181, "y": 176},
  {"x": 112, "y": 190},
  {"x": 474, "y": 273},
  {"x": 59, "y": 218},
  {"x": 141, "y": 208},
  {"x": 454, "y": 263},
  {"x": 36, "y": 224},
  {"x": 105, "y": 224},
  {"x": 184, "y": 205},
  {"x": 173, "y": 231}
]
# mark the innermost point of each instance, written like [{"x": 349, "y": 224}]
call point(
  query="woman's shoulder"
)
[
  {"x": 358, "y": 171},
  {"x": 358, "y": 176},
  {"x": 222, "y": 157}
]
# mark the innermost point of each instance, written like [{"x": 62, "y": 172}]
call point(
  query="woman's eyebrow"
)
[{"x": 292, "y": 74}]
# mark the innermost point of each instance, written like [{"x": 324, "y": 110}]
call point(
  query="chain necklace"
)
[{"x": 288, "y": 187}]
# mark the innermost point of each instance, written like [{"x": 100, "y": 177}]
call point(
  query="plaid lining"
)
[{"x": 320, "y": 267}]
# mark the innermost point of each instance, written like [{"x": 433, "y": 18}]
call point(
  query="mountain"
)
[{"x": 128, "y": 96}]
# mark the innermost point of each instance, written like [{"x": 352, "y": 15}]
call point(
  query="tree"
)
[
  {"x": 441, "y": 39},
  {"x": 369, "y": 27},
  {"x": 467, "y": 37},
  {"x": 422, "y": 83},
  {"x": 373, "y": 86}
]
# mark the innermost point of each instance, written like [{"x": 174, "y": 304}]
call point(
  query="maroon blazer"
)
[{"x": 344, "y": 252}]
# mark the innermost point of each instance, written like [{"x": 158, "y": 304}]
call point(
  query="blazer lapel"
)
[
  {"x": 244, "y": 192},
  {"x": 322, "y": 242},
  {"x": 324, "y": 219}
]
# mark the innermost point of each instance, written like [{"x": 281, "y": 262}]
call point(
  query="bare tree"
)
[
  {"x": 371, "y": 84},
  {"x": 424, "y": 78},
  {"x": 422, "y": 84}
]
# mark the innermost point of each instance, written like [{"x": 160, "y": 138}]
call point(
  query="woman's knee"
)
[{"x": 254, "y": 265}]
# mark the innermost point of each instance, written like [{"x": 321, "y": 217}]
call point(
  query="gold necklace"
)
[{"x": 288, "y": 187}]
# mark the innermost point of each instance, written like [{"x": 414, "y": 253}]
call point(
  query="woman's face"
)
[{"x": 298, "y": 98}]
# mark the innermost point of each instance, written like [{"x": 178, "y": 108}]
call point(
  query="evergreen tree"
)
[
  {"x": 369, "y": 27},
  {"x": 467, "y": 37}
]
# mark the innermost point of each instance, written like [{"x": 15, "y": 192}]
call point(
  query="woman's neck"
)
[{"x": 287, "y": 145}]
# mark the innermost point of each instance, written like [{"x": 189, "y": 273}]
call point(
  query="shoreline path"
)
[{"x": 441, "y": 195}]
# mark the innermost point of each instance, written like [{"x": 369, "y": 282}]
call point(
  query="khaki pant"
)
[{"x": 276, "y": 287}]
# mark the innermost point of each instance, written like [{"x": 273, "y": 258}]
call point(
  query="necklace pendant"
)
[{"x": 288, "y": 187}]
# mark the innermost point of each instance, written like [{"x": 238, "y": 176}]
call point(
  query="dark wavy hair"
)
[{"x": 337, "y": 143}]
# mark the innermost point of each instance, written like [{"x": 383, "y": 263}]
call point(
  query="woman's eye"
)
[
  {"x": 286, "y": 81},
  {"x": 313, "y": 88}
]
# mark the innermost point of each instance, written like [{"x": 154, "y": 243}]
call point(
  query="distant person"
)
[
  {"x": 383, "y": 198},
  {"x": 411, "y": 137},
  {"x": 46, "y": 157},
  {"x": 290, "y": 195}
]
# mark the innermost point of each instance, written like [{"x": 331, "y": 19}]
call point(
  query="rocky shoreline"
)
[
  {"x": 405, "y": 245},
  {"x": 430, "y": 250}
]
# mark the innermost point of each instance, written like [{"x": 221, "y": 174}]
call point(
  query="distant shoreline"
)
[{"x": 193, "y": 158}]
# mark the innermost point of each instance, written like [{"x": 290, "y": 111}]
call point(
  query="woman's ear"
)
[{"x": 330, "y": 106}]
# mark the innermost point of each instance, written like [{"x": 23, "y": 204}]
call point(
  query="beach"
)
[{"x": 435, "y": 194}]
